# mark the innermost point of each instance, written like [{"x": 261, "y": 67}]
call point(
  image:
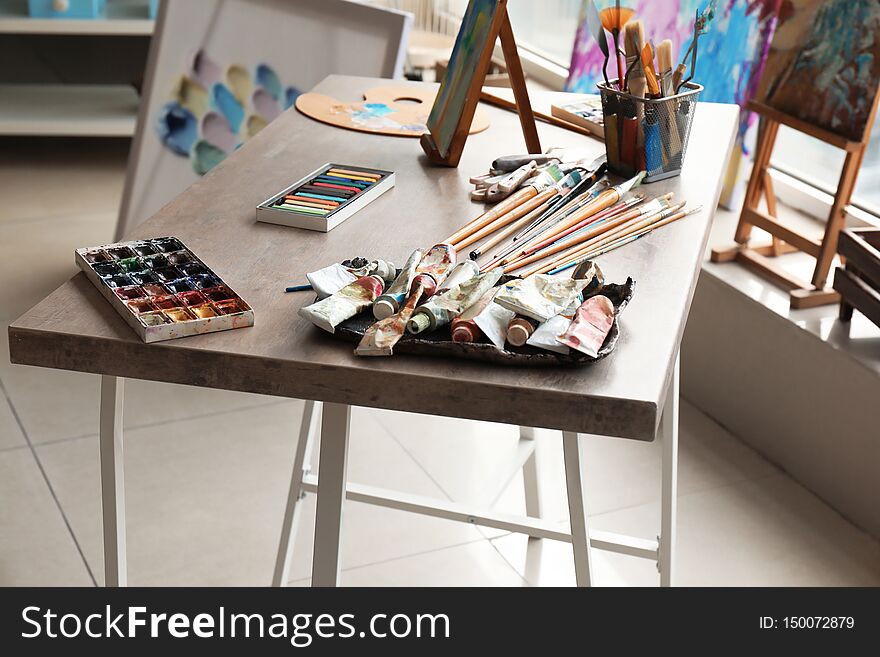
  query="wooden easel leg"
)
[
  {"x": 838, "y": 212},
  {"x": 518, "y": 84},
  {"x": 766, "y": 141}
]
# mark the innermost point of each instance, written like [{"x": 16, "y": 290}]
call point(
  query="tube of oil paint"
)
[
  {"x": 520, "y": 329},
  {"x": 540, "y": 296},
  {"x": 463, "y": 271},
  {"x": 545, "y": 336},
  {"x": 389, "y": 302},
  {"x": 329, "y": 280},
  {"x": 433, "y": 268},
  {"x": 443, "y": 308},
  {"x": 346, "y": 303},
  {"x": 464, "y": 328},
  {"x": 591, "y": 324}
]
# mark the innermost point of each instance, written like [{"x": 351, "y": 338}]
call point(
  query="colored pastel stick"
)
[
  {"x": 319, "y": 201},
  {"x": 350, "y": 176},
  {"x": 375, "y": 176},
  {"x": 338, "y": 193},
  {"x": 298, "y": 208},
  {"x": 332, "y": 199},
  {"x": 341, "y": 181},
  {"x": 334, "y": 186},
  {"x": 307, "y": 204}
]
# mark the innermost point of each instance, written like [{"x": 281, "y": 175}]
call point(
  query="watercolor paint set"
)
[
  {"x": 162, "y": 290},
  {"x": 326, "y": 197}
]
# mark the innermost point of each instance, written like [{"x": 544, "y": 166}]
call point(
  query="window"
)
[{"x": 546, "y": 28}]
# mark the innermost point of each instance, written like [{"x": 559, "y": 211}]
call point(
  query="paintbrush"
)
[
  {"x": 591, "y": 236},
  {"x": 650, "y": 73},
  {"x": 634, "y": 42},
  {"x": 539, "y": 184},
  {"x": 569, "y": 236},
  {"x": 569, "y": 181},
  {"x": 701, "y": 26},
  {"x": 664, "y": 63},
  {"x": 595, "y": 170},
  {"x": 610, "y": 234},
  {"x": 604, "y": 200},
  {"x": 613, "y": 19},
  {"x": 623, "y": 241}
]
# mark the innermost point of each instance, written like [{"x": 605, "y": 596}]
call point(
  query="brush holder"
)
[{"x": 647, "y": 134}]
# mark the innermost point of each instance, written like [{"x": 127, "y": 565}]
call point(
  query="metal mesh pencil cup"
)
[{"x": 648, "y": 134}]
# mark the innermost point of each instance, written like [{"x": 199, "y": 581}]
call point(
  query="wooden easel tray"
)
[{"x": 439, "y": 343}]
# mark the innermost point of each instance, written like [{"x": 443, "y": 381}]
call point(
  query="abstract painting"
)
[
  {"x": 824, "y": 64},
  {"x": 212, "y": 112},
  {"x": 731, "y": 55},
  {"x": 471, "y": 42}
]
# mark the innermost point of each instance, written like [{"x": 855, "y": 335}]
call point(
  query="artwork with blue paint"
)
[
  {"x": 731, "y": 55},
  {"x": 824, "y": 64},
  {"x": 212, "y": 113}
]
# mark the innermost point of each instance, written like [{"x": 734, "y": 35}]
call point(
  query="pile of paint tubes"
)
[{"x": 433, "y": 293}]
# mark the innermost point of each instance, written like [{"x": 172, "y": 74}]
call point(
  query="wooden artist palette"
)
[{"x": 399, "y": 111}]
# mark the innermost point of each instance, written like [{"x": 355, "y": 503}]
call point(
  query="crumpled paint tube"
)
[
  {"x": 463, "y": 328},
  {"x": 435, "y": 265},
  {"x": 493, "y": 322},
  {"x": 590, "y": 326},
  {"x": 389, "y": 302},
  {"x": 545, "y": 336},
  {"x": 540, "y": 296},
  {"x": 463, "y": 271},
  {"x": 380, "y": 338},
  {"x": 346, "y": 303},
  {"x": 329, "y": 280},
  {"x": 443, "y": 308}
]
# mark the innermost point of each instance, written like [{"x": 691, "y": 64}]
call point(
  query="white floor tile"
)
[
  {"x": 205, "y": 499},
  {"x": 10, "y": 432},
  {"x": 472, "y": 564},
  {"x": 36, "y": 548}
]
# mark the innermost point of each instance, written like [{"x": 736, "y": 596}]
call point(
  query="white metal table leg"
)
[
  {"x": 572, "y": 450},
  {"x": 530, "y": 476},
  {"x": 112, "y": 485},
  {"x": 292, "y": 511},
  {"x": 332, "y": 467},
  {"x": 669, "y": 437}
]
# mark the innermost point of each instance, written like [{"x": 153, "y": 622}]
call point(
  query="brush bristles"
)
[
  {"x": 664, "y": 55},
  {"x": 615, "y": 18}
]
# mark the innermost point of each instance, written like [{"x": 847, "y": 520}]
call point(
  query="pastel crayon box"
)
[
  {"x": 326, "y": 197},
  {"x": 162, "y": 290}
]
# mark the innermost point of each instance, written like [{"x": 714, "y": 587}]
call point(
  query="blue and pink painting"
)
[{"x": 212, "y": 112}]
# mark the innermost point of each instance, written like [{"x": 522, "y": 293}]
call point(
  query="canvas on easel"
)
[
  {"x": 484, "y": 22},
  {"x": 822, "y": 78}
]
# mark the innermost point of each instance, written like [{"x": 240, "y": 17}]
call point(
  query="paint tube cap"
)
[
  {"x": 464, "y": 332},
  {"x": 385, "y": 270},
  {"x": 517, "y": 334},
  {"x": 418, "y": 323},
  {"x": 383, "y": 308}
]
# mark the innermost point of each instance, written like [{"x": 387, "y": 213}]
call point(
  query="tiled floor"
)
[{"x": 207, "y": 471}]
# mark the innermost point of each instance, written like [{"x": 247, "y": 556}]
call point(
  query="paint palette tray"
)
[
  {"x": 162, "y": 290},
  {"x": 326, "y": 197}
]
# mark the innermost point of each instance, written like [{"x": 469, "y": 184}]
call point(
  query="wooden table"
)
[{"x": 74, "y": 328}]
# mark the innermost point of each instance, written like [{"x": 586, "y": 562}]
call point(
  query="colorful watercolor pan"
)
[
  {"x": 159, "y": 300},
  {"x": 326, "y": 197}
]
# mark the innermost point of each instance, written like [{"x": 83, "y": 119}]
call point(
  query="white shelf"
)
[
  {"x": 123, "y": 19},
  {"x": 68, "y": 110}
]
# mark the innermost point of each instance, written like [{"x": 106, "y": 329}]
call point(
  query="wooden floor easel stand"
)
[{"x": 785, "y": 239}]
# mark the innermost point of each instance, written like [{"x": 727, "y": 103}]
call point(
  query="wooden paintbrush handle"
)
[
  {"x": 519, "y": 211},
  {"x": 492, "y": 214}
]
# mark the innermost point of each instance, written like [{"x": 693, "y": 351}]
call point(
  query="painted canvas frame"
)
[
  {"x": 824, "y": 65},
  {"x": 458, "y": 94}
]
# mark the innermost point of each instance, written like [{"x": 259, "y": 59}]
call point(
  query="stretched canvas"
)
[{"x": 824, "y": 64}]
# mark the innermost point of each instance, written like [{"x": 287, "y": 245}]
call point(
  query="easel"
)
[
  {"x": 500, "y": 28},
  {"x": 785, "y": 239}
]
